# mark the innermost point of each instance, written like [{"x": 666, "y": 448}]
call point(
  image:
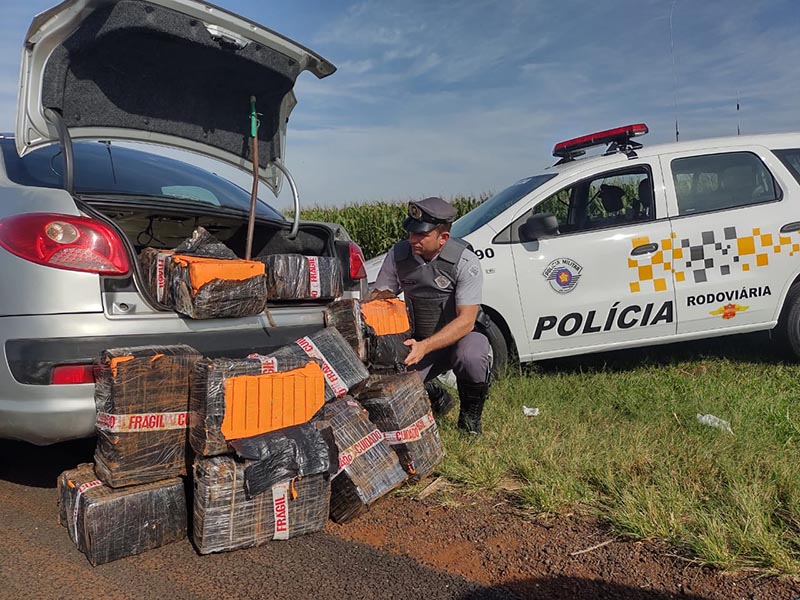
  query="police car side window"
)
[{"x": 721, "y": 181}]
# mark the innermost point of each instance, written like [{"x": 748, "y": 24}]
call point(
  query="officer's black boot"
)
[
  {"x": 472, "y": 397},
  {"x": 441, "y": 400}
]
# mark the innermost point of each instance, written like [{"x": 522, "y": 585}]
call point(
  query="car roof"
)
[{"x": 772, "y": 140}]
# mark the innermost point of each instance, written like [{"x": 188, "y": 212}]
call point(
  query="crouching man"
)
[{"x": 442, "y": 281}]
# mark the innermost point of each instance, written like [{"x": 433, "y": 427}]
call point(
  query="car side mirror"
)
[{"x": 538, "y": 226}]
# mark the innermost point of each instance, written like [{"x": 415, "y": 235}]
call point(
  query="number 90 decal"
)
[{"x": 488, "y": 253}]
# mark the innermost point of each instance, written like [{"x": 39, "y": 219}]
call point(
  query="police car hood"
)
[{"x": 172, "y": 72}]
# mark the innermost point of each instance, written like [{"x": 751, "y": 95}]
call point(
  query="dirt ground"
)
[{"x": 488, "y": 540}]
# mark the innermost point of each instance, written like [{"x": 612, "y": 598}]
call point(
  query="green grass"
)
[{"x": 617, "y": 436}]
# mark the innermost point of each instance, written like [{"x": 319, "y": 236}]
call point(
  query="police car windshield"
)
[{"x": 486, "y": 211}]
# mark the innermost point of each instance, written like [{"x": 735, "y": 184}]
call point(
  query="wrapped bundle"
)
[
  {"x": 298, "y": 277},
  {"x": 225, "y": 518},
  {"x": 376, "y": 330},
  {"x": 237, "y": 398},
  {"x": 387, "y": 328},
  {"x": 142, "y": 401},
  {"x": 398, "y": 405},
  {"x": 155, "y": 266},
  {"x": 345, "y": 316},
  {"x": 202, "y": 243},
  {"x": 341, "y": 366},
  {"x": 107, "y": 524},
  {"x": 368, "y": 467},
  {"x": 292, "y": 452}
]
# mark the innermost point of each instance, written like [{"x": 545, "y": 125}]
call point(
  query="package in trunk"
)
[
  {"x": 226, "y": 518},
  {"x": 142, "y": 401},
  {"x": 107, "y": 524},
  {"x": 368, "y": 467},
  {"x": 376, "y": 330},
  {"x": 237, "y": 398},
  {"x": 398, "y": 405},
  {"x": 341, "y": 366},
  {"x": 298, "y": 277}
]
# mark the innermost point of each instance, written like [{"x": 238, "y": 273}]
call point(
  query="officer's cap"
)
[{"x": 427, "y": 214}]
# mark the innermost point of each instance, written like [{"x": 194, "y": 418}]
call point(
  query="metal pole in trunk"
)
[{"x": 251, "y": 219}]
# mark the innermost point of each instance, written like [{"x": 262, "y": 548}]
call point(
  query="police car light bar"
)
[{"x": 620, "y": 135}]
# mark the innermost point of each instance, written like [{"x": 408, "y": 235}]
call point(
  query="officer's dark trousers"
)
[{"x": 469, "y": 358}]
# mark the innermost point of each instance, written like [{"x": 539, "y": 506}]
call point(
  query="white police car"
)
[{"x": 643, "y": 246}]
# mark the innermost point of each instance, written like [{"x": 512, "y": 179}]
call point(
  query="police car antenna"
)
[{"x": 674, "y": 80}]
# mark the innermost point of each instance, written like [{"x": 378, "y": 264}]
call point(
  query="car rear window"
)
[{"x": 102, "y": 168}]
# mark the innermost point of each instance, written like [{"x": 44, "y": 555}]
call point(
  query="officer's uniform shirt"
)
[{"x": 469, "y": 277}]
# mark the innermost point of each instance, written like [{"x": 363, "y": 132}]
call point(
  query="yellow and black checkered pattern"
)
[{"x": 695, "y": 262}]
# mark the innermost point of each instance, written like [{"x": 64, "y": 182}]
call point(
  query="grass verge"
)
[{"x": 618, "y": 435}]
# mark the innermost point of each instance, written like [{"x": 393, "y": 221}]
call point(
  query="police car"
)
[{"x": 643, "y": 245}]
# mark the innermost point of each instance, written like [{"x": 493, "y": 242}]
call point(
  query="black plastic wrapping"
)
[
  {"x": 291, "y": 452},
  {"x": 107, "y": 524},
  {"x": 398, "y": 405},
  {"x": 341, "y": 366},
  {"x": 202, "y": 243},
  {"x": 368, "y": 467},
  {"x": 142, "y": 401},
  {"x": 207, "y": 397},
  {"x": 168, "y": 277},
  {"x": 225, "y": 518},
  {"x": 298, "y": 277},
  {"x": 345, "y": 316}
]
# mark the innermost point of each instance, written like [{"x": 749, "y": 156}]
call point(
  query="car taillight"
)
[
  {"x": 67, "y": 374},
  {"x": 65, "y": 242},
  {"x": 357, "y": 268}
]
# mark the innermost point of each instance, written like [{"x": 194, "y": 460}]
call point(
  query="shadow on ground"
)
[
  {"x": 40, "y": 466},
  {"x": 747, "y": 348},
  {"x": 574, "y": 588}
]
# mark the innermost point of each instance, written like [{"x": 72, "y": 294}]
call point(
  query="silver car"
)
[{"x": 77, "y": 205}]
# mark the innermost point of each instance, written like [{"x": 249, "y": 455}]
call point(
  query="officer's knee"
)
[{"x": 471, "y": 360}]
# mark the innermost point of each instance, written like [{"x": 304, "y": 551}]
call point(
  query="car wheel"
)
[
  {"x": 497, "y": 341},
  {"x": 788, "y": 329}
]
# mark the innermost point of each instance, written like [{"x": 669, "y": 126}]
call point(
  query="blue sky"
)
[{"x": 465, "y": 97}]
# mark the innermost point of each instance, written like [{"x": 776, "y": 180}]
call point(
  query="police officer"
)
[{"x": 442, "y": 281}]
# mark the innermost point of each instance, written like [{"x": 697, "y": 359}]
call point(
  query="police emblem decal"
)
[
  {"x": 442, "y": 281},
  {"x": 563, "y": 274}
]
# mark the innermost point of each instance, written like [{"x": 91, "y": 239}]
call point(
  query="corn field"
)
[{"x": 376, "y": 226}]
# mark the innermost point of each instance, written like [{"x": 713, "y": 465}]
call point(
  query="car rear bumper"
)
[{"x": 34, "y": 411}]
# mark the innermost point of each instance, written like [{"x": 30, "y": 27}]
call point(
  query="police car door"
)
[
  {"x": 731, "y": 258},
  {"x": 601, "y": 281}
]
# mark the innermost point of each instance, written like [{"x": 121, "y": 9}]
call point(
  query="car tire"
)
[
  {"x": 788, "y": 329},
  {"x": 499, "y": 346}
]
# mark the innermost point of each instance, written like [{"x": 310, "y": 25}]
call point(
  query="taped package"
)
[
  {"x": 142, "y": 401},
  {"x": 341, "y": 366},
  {"x": 298, "y": 277},
  {"x": 226, "y": 518},
  {"x": 398, "y": 405},
  {"x": 368, "y": 467},
  {"x": 376, "y": 330},
  {"x": 203, "y": 279},
  {"x": 237, "y": 398},
  {"x": 292, "y": 452},
  {"x": 107, "y": 524}
]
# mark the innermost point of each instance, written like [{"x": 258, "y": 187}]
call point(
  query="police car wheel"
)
[
  {"x": 499, "y": 349},
  {"x": 788, "y": 329}
]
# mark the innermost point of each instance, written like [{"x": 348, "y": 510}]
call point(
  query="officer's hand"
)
[{"x": 418, "y": 352}]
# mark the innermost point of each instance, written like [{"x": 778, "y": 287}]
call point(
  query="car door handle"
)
[
  {"x": 644, "y": 249},
  {"x": 790, "y": 227}
]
